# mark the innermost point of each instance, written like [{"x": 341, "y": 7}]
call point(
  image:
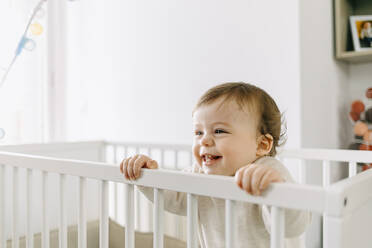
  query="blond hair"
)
[{"x": 257, "y": 101}]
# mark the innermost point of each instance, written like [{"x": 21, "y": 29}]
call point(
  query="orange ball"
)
[
  {"x": 354, "y": 116},
  {"x": 360, "y": 128},
  {"x": 369, "y": 93},
  {"x": 365, "y": 147},
  {"x": 366, "y": 167},
  {"x": 357, "y": 107},
  {"x": 367, "y": 137}
]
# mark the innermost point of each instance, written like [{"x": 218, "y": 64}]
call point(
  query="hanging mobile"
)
[{"x": 26, "y": 43}]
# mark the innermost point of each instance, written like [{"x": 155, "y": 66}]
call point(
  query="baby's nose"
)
[{"x": 207, "y": 140}]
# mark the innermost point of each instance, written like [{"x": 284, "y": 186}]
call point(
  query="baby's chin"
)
[{"x": 215, "y": 171}]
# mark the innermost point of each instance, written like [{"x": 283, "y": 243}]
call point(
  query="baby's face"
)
[
  {"x": 225, "y": 137},
  {"x": 367, "y": 25}
]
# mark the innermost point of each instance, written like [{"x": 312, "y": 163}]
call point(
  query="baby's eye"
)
[
  {"x": 219, "y": 131},
  {"x": 197, "y": 133}
]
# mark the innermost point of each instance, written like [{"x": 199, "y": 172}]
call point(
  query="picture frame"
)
[{"x": 361, "y": 31}]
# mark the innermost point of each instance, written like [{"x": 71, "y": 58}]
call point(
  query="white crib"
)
[{"x": 42, "y": 188}]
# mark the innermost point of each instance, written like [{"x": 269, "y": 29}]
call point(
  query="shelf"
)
[
  {"x": 344, "y": 49},
  {"x": 356, "y": 57}
]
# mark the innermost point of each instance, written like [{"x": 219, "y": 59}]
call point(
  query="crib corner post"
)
[
  {"x": 2, "y": 206},
  {"x": 333, "y": 233}
]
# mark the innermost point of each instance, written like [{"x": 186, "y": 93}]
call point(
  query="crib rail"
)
[
  {"x": 330, "y": 200},
  {"x": 328, "y": 155}
]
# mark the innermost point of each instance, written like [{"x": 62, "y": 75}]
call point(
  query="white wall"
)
[
  {"x": 327, "y": 88},
  {"x": 360, "y": 80},
  {"x": 146, "y": 63},
  {"x": 324, "y": 94}
]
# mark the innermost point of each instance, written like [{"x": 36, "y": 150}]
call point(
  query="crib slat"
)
[
  {"x": 326, "y": 173},
  {"x": 15, "y": 236},
  {"x": 62, "y": 212},
  {"x": 158, "y": 218},
  {"x": 103, "y": 228},
  {"x": 176, "y": 159},
  {"x": 125, "y": 151},
  {"x": 229, "y": 223},
  {"x": 192, "y": 221},
  {"x": 82, "y": 225},
  {"x": 2, "y": 206},
  {"x": 29, "y": 234},
  {"x": 137, "y": 208},
  {"x": 147, "y": 205},
  {"x": 302, "y": 172},
  {"x": 161, "y": 164},
  {"x": 115, "y": 148},
  {"x": 352, "y": 168},
  {"x": 129, "y": 216},
  {"x": 178, "y": 219},
  {"x": 124, "y": 192},
  {"x": 115, "y": 187},
  {"x": 44, "y": 209},
  {"x": 137, "y": 202},
  {"x": 277, "y": 227}
]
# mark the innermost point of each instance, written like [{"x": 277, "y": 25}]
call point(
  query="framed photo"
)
[{"x": 361, "y": 30}]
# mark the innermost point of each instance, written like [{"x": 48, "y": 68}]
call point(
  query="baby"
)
[{"x": 237, "y": 127}]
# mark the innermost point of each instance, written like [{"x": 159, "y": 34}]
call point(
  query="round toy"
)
[
  {"x": 366, "y": 167},
  {"x": 367, "y": 137},
  {"x": 357, "y": 107},
  {"x": 369, "y": 93},
  {"x": 36, "y": 29},
  {"x": 354, "y": 116},
  {"x": 365, "y": 147},
  {"x": 360, "y": 128}
]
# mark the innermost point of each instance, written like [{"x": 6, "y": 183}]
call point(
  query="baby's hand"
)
[
  {"x": 255, "y": 178},
  {"x": 131, "y": 167}
]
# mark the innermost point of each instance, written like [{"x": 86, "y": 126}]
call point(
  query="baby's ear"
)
[{"x": 264, "y": 144}]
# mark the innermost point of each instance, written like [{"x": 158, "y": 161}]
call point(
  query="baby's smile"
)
[{"x": 209, "y": 159}]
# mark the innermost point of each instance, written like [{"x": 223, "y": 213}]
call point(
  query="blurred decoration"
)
[
  {"x": 33, "y": 28},
  {"x": 36, "y": 28},
  {"x": 361, "y": 117},
  {"x": 25, "y": 42}
]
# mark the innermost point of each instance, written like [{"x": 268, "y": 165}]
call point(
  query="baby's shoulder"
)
[
  {"x": 269, "y": 160},
  {"x": 276, "y": 164}
]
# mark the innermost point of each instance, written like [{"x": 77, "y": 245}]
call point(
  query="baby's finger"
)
[
  {"x": 125, "y": 168},
  {"x": 256, "y": 180},
  {"x": 239, "y": 176},
  {"x": 138, "y": 164},
  {"x": 121, "y": 167},
  {"x": 247, "y": 178},
  {"x": 266, "y": 180},
  {"x": 152, "y": 164},
  {"x": 130, "y": 167}
]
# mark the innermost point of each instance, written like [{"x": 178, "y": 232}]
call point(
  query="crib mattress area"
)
[{"x": 116, "y": 238}]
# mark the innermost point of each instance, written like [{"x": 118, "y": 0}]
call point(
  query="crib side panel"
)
[
  {"x": 91, "y": 151},
  {"x": 353, "y": 230}
]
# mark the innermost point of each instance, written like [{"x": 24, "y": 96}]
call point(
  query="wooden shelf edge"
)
[{"x": 355, "y": 57}]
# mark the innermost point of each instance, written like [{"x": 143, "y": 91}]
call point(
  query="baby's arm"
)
[{"x": 174, "y": 202}]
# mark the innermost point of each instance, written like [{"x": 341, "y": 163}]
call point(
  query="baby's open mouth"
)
[{"x": 208, "y": 157}]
